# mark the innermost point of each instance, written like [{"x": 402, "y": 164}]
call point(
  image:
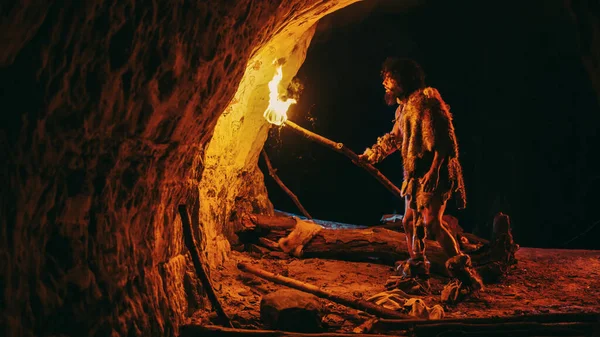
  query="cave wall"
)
[
  {"x": 107, "y": 110},
  {"x": 231, "y": 182}
]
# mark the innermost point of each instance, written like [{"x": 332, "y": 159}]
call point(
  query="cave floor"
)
[{"x": 543, "y": 281}]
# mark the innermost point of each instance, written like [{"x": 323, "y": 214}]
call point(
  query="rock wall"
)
[
  {"x": 107, "y": 110},
  {"x": 231, "y": 181}
]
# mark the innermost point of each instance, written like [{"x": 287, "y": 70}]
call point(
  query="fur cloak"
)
[{"x": 426, "y": 125}]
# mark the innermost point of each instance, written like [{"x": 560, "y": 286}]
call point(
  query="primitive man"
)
[{"x": 423, "y": 132}]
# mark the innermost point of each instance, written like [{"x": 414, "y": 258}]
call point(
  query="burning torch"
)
[{"x": 276, "y": 113}]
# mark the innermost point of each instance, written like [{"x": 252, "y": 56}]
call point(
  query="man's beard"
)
[{"x": 390, "y": 96}]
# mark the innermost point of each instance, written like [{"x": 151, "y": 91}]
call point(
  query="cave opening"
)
[
  {"x": 500, "y": 85},
  {"x": 524, "y": 108},
  {"x": 119, "y": 113},
  {"x": 497, "y": 63}
]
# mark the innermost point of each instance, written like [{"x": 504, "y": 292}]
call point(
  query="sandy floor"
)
[{"x": 543, "y": 281}]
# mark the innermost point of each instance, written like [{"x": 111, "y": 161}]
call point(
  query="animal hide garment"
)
[
  {"x": 303, "y": 232},
  {"x": 426, "y": 126}
]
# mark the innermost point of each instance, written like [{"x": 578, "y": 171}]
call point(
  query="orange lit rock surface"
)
[{"x": 107, "y": 111}]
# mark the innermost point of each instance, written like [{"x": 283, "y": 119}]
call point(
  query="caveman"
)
[{"x": 423, "y": 132}]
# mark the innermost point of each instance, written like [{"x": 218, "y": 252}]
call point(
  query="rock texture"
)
[
  {"x": 108, "y": 107},
  {"x": 231, "y": 157},
  {"x": 291, "y": 310}
]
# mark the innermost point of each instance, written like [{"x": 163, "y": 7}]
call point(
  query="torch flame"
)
[{"x": 277, "y": 109}]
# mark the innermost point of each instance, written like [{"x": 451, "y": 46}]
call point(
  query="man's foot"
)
[
  {"x": 454, "y": 292},
  {"x": 413, "y": 268},
  {"x": 411, "y": 286},
  {"x": 460, "y": 268},
  {"x": 411, "y": 276}
]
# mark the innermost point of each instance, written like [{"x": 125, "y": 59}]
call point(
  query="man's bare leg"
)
[
  {"x": 432, "y": 215},
  {"x": 459, "y": 264},
  {"x": 408, "y": 223},
  {"x": 415, "y": 266}
]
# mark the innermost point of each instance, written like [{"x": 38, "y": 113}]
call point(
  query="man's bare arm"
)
[{"x": 386, "y": 144}]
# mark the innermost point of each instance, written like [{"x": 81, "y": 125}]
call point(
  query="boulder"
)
[{"x": 291, "y": 310}]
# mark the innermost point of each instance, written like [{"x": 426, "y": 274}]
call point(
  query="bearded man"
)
[{"x": 424, "y": 134}]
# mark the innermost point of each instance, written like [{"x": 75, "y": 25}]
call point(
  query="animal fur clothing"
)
[
  {"x": 303, "y": 232},
  {"x": 423, "y": 124}
]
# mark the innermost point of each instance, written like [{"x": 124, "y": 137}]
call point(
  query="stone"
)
[
  {"x": 258, "y": 250},
  {"x": 279, "y": 255},
  {"x": 291, "y": 310},
  {"x": 108, "y": 131}
]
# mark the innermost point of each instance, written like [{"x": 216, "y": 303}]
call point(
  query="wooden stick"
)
[
  {"x": 272, "y": 245},
  {"x": 269, "y": 222},
  {"x": 217, "y": 331},
  {"x": 341, "y": 148},
  {"x": 273, "y": 174},
  {"x": 358, "y": 304},
  {"x": 396, "y": 324},
  {"x": 507, "y": 329},
  {"x": 200, "y": 266},
  {"x": 564, "y": 330},
  {"x": 366, "y": 326}
]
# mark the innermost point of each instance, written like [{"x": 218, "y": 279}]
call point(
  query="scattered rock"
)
[
  {"x": 244, "y": 293},
  {"x": 452, "y": 293},
  {"x": 334, "y": 321},
  {"x": 291, "y": 310},
  {"x": 258, "y": 251},
  {"x": 279, "y": 255},
  {"x": 249, "y": 280},
  {"x": 238, "y": 247}
]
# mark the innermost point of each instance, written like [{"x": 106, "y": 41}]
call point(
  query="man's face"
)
[{"x": 392, "y": 89}]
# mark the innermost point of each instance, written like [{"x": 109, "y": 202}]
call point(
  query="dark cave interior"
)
[{"x": 526, "y": 116}]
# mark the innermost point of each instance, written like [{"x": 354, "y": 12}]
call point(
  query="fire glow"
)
[{"x": 276, "y": 112}]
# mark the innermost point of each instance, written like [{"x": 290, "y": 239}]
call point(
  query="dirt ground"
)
[{"x": 543, "y": 281}]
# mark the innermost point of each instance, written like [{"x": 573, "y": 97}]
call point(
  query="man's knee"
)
[{"x": 407, "y": 223}]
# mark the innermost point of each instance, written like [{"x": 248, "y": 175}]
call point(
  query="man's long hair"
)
[{"x": 407, "y": 72}]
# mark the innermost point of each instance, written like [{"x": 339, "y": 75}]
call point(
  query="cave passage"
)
[
  {"x": 115, "y": 113},
  {"x": 524, "y": 109},
  {"x": 500, "y": 86}
]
